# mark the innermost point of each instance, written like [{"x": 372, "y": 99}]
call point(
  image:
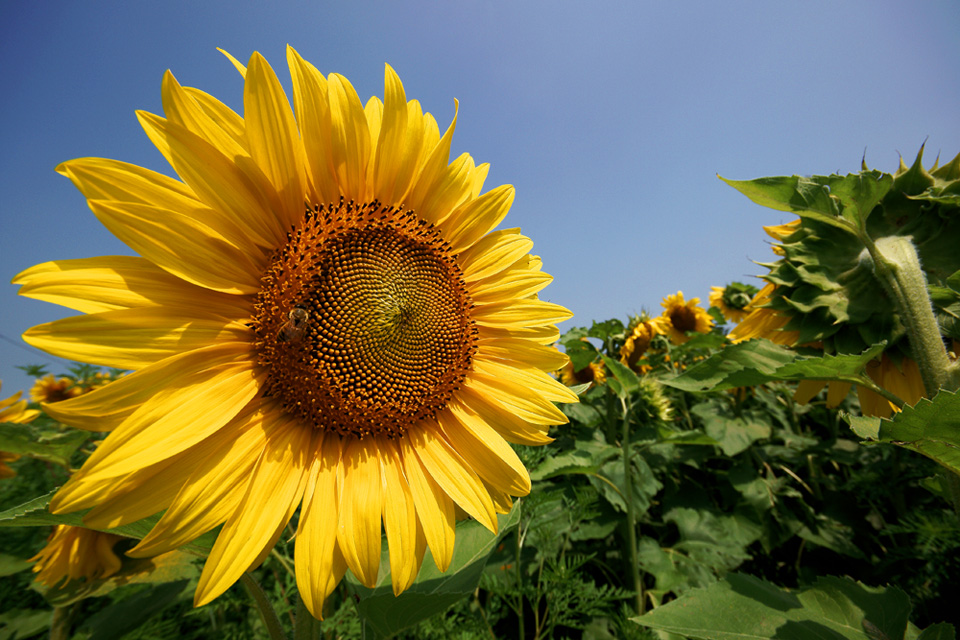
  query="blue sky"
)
[{"x": 611, "y": 122}]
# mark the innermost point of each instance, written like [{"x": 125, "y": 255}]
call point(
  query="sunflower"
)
[
  {"x": 74, "y": 553},
  {"x": 685, "y": 317},
  {"x": 14, "y": 410},
  {"x": 593, "y": 372},
  {"x": 638, "y": 341},
  {"x": 52, "y": 389},
  {"x": 763, "y": 322},
  {"x": 732, "y": 300},
  {"x": 322, "y": 318}
]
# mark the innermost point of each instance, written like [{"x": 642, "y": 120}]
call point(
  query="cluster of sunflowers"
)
[{"x": 323, "y": 319}]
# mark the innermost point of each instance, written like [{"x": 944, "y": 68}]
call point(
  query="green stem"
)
[
  {"x": 631, "y": 509},
  {"x": 306, "y": 627},
  {"x": 62, "y": 622},
  {"x": 896, "y": 265},
  {"x": 518, "y": 547},
  {"x": 267, "y": 614}
]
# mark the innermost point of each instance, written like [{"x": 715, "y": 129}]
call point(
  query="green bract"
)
[{"x": 825, "y": 280}]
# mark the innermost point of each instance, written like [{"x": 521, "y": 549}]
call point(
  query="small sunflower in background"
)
[
  {"x": 321, "y": 317},
  {"x": 732, "y": 300},
  {"x": 644, "y": 329},
  {"x": 593, "y": 372},
  {"x": 49, "y": 388},
  {"x": 685, "y": 317},
  {"x": 75, "y": 553},
  {"x": 13, "y": 410}
]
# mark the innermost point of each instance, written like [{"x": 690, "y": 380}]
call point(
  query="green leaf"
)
[
  {"x": 23, "y": 623},
  {"x": 931, "y": 428},
  {"x": 34, "y": 513},
  {"x": 126, "y": 615},
  {"x": 17, "y": 438},
  {"x": 10, "y": 565},
  {"x": 171, "y": 567},
  {"x": 942, "y": 631},
  {"x": 755, "y": 362},
  {"x": 733, "y": 434},
  {"x": 585, "y": 458},
  {"x": 629, "y": 381},
  {"x": 432, "y": 592},
  {"x": 742, "y": 607}
]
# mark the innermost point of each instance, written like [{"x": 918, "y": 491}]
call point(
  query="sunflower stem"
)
[
  {"x": 306, "y": 627},
  {"x": 897, "y": 266},
  {"x": 631, "y": 510},
  {"x": 267, "y": 614}
]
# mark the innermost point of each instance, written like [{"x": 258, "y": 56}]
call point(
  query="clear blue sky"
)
[{"x": 611, "y": 122}]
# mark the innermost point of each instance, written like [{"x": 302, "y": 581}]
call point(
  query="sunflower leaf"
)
[
  {"x": 432, "y": 592},
  {"x": 929, "y": 428},
  {"x": 15, "y": 438},
  {"x": 629, "y": 381},
  {"x": 755, "y": 362},
  {"x": 741, "y": 607}
]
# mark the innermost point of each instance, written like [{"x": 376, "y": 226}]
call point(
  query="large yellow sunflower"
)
[
  {"x": 75, "y": 553},
  {"x": 685, "y": 317},
  {"x": 322, "y": 318}
]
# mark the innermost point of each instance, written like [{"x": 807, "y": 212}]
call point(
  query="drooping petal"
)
[
  {"x": 273, "y": 493},
  {"x": 319, "y": 562},
  {"x": 453, "y": 474},
  {"x": 484, "y": 450},
  {"x": 212, "y": 492},
  {"x": 435, "y": 509},
  {"x": 361, "y": 501},
  {"x": 399, "y": 519}
]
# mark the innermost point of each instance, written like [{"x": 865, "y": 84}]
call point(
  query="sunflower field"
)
[{"x": 328, "y": 399}]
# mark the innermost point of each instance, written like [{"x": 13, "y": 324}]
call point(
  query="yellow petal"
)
[
  {"x": 236, "y": 63},
  {"x": 453, "y": 475},
  {"x": 393, "y": 167},
  {"x": 373, "y": 112},
  {"x": 176, "y": 418},
  {"x": 449, "y": 189},
  {"x": 510, "y": 421},
  {"x": 477, "y": 217},
  {"x": 272, "y": 137},
  {"x": 525, "y": 381},
  {"x": 434, "y": 166},
  {"x": 493, "y": 253},
  {"x": 214, "y": 488},
  {"x": 350, "y": 138},
  {"x": 122, "y": 500},
  {"x": 313, "y": 115},
  {"x": 181, "y": 245},
  {"x": 319, "y": 563},
  {"x": 222, "y": 115},
  {"x": 133, "y": 338},
  {"x": 234, "y": 187},
  {"x": 399, "y": 519},
  {"x": 512, "y": 284},
  {"x": 361, "y": 501},
  {"x": 484, "y": 450},
  {"x": 545, "y": 335},
  {"x": 273, "y": 492},
  {"x": 92, "y": 285},
  {"x": 807, "y": 390},
  {"x": 105, "y": 408},
  {"x": 180, "y": 108},
  {"x": 434, "y": 507},
  {"x": 517, "y": 314},
  {"x": 526, "y": 352}
]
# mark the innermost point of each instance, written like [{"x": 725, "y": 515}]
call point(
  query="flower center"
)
[
  {"x": 683, "y": 319},
  {"x": 363, "y": 320}
]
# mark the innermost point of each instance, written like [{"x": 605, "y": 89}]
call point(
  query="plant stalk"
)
[
  {"x": 267, "y": 614},
  {"x": 631, "y": 509},
  {"x": 306, "y": 627}
]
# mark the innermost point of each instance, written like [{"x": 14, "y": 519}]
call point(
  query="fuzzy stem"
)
[
  {"x": 896, "y": 265},
  {"x": 267, "y": 614},
  {"x": 631, "y": 510},
  {"x": 306, "y": 627}
]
